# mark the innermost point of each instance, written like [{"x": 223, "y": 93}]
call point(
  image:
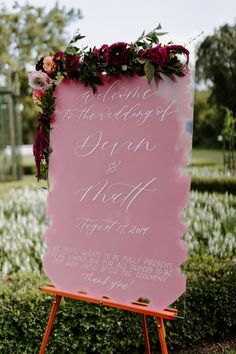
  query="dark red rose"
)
[
  {"x": 39, "y": 65},
  {"x": 40, "y": 145},
  {"x": 102, "y": 53},
  {"x": 178, "y": 49},
  {"x": 157, "y": 55},
  {"x": 72, "y": 63},
  {"x": 118, "y": 54},
  {"x": 58, "y": 56}
]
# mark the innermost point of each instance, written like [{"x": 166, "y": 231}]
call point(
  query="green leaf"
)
[
  {"x": 149, "y": 71},
  {"x": 76, "y": 38},
  {"x": 161, "y": 33},
  {"x": 70, "y": 50}
]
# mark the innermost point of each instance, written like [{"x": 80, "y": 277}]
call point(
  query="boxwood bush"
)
[
  {"x": 214, "y": 184},
  {"x": 208, "y": 308}
]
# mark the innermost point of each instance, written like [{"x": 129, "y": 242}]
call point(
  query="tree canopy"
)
[
  {"x": 27, "y": 33},
  {"x": 216, "y": 66}
]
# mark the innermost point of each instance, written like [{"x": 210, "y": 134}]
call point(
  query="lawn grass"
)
[
  {"x": 28, "y": 160},
  {"x": 207, "y": 156},
  {"x": 25, "y": 181}
]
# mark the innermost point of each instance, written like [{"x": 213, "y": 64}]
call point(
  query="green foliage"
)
[
  {"x": 209, "y": 305},
  {"x": 149, "y": 70},
  {"x": 228, "y": 133},
  {"x": 29, "y": 169},
  {"x": 209, "y": 309},
  {"x": 214, "y": 184},
  {"x": 25, "y": 25},
  {"x": 216, "y": 64},
  {"x": 208, "y": 121}
]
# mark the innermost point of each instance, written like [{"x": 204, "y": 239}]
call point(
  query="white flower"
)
[{"x": 39, "y": 80}]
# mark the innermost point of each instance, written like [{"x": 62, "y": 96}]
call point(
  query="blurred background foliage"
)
[{"x": 26, "y": 33}]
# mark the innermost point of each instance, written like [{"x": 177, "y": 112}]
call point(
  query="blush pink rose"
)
[
  {"x": 49, "y": 65},
  {"x": 39, "y": 80}
]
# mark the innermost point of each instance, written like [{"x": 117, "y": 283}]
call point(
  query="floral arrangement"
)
[{"x": 146, "y": 56}]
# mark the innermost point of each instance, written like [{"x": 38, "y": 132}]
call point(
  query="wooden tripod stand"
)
[{"x": 138, "y": 307}]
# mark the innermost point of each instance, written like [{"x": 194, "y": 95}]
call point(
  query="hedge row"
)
[
  {"x": 29, "y": 170},
  {"x": 202, "y": 184},
  {"x": 214, "y": 184},
  {"x": 209, "y": 310}
]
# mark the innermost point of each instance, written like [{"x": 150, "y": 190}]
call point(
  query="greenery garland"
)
[{"x": 146, "y": 56}]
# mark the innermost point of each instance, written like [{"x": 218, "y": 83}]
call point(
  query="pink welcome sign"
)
[{"x": 118, "y": 189}]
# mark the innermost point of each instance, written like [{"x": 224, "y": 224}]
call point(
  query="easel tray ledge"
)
[{"x": 139, "y": 307}]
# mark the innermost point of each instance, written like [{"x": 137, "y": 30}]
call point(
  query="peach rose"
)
[
  {"x": 49, "y": 65},
  {"x": 39, "y": 80}
]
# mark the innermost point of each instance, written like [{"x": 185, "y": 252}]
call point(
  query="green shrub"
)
[
  {"x": 209, "y": 305},
  {"x": 29, "y": 170},
  {"x": 214, "y": 184},
  {"x": 209, "y": 309}
]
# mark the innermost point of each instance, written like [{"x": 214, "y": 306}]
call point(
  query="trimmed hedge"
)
[
  {"x": 214, "y": 184},
  {"x": 209, "y": 309},
  {"x": 29, "y": 170}
]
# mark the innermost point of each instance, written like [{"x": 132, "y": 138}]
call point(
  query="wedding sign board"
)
[{"x": 118, "y": 189}]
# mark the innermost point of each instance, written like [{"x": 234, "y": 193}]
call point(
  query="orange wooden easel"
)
[{"x": 138, "y": 307}]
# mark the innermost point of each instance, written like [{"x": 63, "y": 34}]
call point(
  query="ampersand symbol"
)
[{"x": 113, "y": 166}]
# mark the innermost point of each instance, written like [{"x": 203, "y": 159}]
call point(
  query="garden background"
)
[{"x": 208, "y": 307}]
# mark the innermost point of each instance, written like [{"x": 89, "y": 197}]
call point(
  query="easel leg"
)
[
  {"x": 145, "y": 332},
  {"x": 55, "y": 306},
  {"x": 162, "y": 335}
]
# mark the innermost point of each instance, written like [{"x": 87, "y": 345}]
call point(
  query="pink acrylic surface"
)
[{"x": 118, "y": 190}]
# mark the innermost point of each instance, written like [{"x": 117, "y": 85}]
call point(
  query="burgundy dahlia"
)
[
  {"x": 118, "y": 54},
  {"x": 58, "y": 56},
  {"x": 157, "y": 55},
  {"x": 102, "y": 53},
  {"x": 72, "y": 63}
]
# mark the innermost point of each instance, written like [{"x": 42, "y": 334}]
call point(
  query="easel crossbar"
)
[{"x": 168, "y": 314}]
